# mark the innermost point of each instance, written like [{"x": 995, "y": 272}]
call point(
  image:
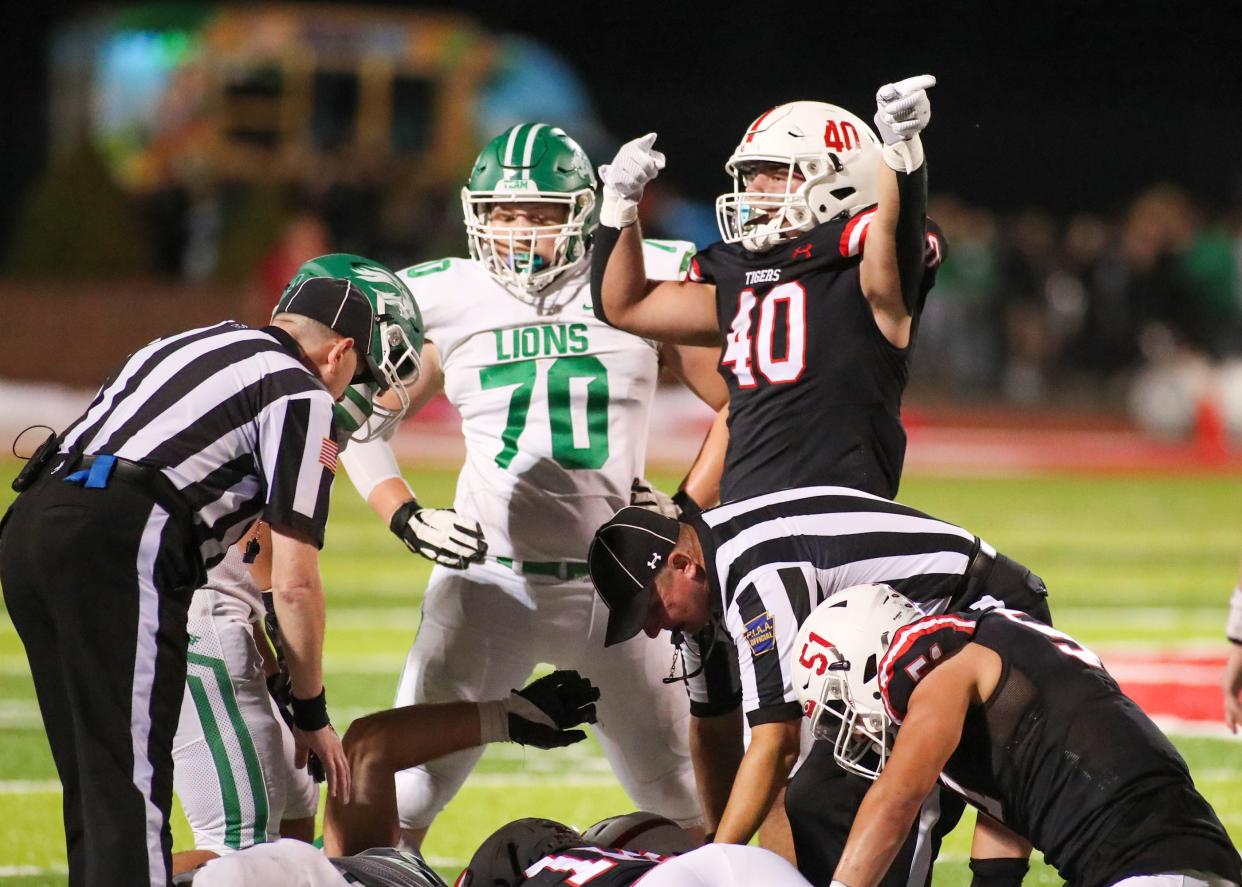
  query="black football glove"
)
[{"x": 541, "y": 713}]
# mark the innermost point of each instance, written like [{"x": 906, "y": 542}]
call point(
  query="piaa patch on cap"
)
[{"x": 761, "y": 633}]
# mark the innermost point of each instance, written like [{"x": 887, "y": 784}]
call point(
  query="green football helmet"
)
[
  {"x": 530, "y": 163},
  {"x": 391, "y": 362}
]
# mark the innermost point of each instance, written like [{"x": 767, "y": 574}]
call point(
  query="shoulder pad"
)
[
  {"x": 915, "y": 650},
  {"x": 424, "y": 269}
]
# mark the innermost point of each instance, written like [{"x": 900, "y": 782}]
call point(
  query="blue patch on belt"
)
[
  {"x": 761, "y": 633},
  {"x": 95, "y": 477}
]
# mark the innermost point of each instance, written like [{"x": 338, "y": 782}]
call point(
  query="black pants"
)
[
  {"x": 821, "y": 802},
  {"x": 822, "y": 799},
  {"x": 97, "y": 583}
]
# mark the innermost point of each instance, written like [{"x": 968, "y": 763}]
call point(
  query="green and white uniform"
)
[
  {"x": 554, "y": 408},
  {"x": 233, "y": 755}
]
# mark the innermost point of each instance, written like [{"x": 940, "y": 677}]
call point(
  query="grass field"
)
[{"x": 1129, "y": 561}]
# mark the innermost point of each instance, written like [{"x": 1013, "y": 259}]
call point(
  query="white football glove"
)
[
  {"x": 636, "y": 164},
  {"x": 902, "y": 112},
  {"x": 439, "y": 534}
]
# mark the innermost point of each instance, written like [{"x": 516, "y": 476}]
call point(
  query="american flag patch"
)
[{"x": 327, "y": 454}]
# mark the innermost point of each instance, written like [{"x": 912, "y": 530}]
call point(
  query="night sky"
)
[{"x": 1066, "y": 105}]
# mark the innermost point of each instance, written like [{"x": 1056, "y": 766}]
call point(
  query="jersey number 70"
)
[
  {"x": 742, "y": 352},
  {"x": 577, "y": 441}
]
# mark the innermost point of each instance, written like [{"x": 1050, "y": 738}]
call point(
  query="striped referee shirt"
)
[
  {"x": 231, "y": 416},
  {"x": 772, "y": 559}
]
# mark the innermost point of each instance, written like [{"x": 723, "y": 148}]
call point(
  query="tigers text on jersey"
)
[
  {"x": 591, "y": 865},
  {"x": 1060, "y": 755},
  {"x": 814, "y": 386},
  {"x": 773, "y": 559},
  {"x": 554, "y": 408},
  {"x": 231, "y": 416}
]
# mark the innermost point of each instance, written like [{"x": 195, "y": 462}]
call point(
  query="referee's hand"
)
[{"x": 327, "y": 747}]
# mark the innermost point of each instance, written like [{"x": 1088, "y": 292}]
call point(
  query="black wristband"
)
[
  {"x": 1006, "y": 872},
  {"x": 310, "y": 715},
  {"x": 689, "y": 508},
  {"x": 603, "y": 241},
  {"x": 402, "y": 516}
]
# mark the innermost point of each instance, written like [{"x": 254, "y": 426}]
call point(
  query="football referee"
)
[
  {"x": 752, "y": 570},
  {"x": 194, "y": 437}
]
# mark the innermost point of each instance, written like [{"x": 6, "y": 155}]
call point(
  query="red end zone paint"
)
[{"x": 1177, "y": 685}]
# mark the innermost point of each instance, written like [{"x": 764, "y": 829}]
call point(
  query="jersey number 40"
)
[{"x": 743, "y": 352}]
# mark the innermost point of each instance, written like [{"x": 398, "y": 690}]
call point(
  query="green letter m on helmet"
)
[
  {"x": 390, "y": 360},
  {"x": 531, "y": 163}
]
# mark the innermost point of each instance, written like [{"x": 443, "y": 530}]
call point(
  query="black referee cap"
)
[
  {"x": 338, "y": 305},
  {"x": 624, "y": 557}
]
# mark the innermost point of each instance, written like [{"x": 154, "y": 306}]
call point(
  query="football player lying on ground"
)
[
  {"x": 544, "y": 853},
  {"x": 540, "y": 715},
  {"x": 1021, "y": 721}
]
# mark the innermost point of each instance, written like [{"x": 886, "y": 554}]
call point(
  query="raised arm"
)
[
  {"x": 892, "y": 265},
  {"x": 668, "y": 311}
]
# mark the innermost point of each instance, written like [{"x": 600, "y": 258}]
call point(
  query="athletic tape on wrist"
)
[
  {"x": 904, "y": 156},
  {"x": 493, "y": 721},
  {"x": 310, "y": 715}
]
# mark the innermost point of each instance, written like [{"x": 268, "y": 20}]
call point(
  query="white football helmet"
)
[
  {"x": 837, "y": 155},
  {"x": 836, "y": 672}
]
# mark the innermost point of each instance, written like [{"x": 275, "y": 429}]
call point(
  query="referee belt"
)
[
  {"x": 560, "y": 569},
  {"x": 97, "y": 471}
]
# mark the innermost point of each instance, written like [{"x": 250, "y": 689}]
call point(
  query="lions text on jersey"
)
[{"x": 554, "y": 408}]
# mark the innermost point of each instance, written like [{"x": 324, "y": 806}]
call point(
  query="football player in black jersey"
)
[
  {"x": 814, "y": 293},
  {"x": 544, "y": 853},
  {"x": 1021, "y": 721}
]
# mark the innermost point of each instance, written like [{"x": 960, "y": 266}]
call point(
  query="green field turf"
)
[{"x": 1129, "y": 561}]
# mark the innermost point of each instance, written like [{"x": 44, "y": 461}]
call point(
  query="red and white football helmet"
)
[
  {"x": 835, "y": 672},
  {"x": 834, "y": 151}
]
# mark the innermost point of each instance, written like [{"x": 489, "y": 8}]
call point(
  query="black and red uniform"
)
[
  {"x": 814, "y": 386},
  {"x": 1062, "y": 757},
  {"x": 591, "y": 865}
]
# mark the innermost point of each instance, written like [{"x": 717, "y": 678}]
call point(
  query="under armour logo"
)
[
  {"x": 802, "y": 252},
  {"x": 654, "y": 562}
]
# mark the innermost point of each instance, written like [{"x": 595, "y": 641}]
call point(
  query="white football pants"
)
[
  {"x": 483, "y": 631},
  {"x": 233, "y": 755}
]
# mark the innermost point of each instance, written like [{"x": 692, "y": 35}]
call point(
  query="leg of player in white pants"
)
[
  {"x": 725, "y": 865},
  {"x": 232, "y": 755},
  {"x": 482, "y": 633},
  {"x": 473, "y": 643},
  {"x": 644, "y": 724}
]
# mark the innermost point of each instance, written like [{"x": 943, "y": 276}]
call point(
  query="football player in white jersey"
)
[{"x": 554, "y": 407}]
